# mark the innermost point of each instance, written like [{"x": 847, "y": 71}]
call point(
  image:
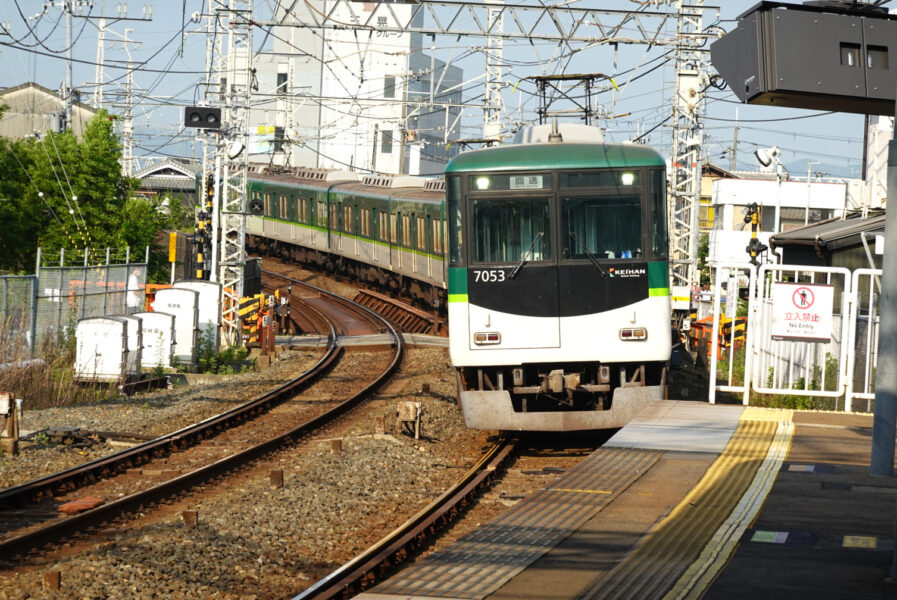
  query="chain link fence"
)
[{"x": 48, "y": 305}]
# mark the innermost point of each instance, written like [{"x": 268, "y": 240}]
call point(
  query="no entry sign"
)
[{"x": 802, "y": 312}]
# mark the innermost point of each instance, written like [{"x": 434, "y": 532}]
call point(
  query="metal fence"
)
[
  {"x": 46, "y": 306},
  {"x": 831, "y": 353}
]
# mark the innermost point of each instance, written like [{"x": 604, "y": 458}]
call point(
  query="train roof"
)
[
  {"x": 555, "y": 156},
  {"x": 385, "y": 187}
]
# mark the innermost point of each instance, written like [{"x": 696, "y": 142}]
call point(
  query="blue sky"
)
[{"x": 172, "y": 58}]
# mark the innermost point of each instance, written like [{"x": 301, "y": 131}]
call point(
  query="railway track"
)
[
  {"x": 27, "y": 512},
  {"x": 405, "y": 317},
  {"x": 509, "y": 470},
  {"x": 370, "y": 567}
]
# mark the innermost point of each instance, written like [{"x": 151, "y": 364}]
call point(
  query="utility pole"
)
[
  {"x": 69, "y": 84},
  {"x": 127, "y": 107},
  {"x": 99, "y": 73}
]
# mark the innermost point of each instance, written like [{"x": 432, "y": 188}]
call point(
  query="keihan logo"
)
[{"x": 627, "y": 272}]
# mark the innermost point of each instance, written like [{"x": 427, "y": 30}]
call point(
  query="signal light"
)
[{"x": 203, "y": 117}]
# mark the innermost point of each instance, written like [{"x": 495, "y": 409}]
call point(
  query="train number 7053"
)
[{"x": 489, "y": 275}]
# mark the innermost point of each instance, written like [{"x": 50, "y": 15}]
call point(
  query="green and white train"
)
[{"x": 550, "y": 253}]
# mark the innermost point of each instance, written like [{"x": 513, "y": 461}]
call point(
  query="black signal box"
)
[
  {"x": 820, "y": 55},
  {"x": 202, "y": 116}
]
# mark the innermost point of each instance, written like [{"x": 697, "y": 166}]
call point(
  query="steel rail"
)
[
  {"x": 100, "y": 468},
  {"x": 360, "y": 572},
  {"x": 18, "y": 546}
]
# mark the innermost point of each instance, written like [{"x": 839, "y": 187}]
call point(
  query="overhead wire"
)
[
  {"x": 62, "y": 189},
  {"x": 40, "y": 195}
]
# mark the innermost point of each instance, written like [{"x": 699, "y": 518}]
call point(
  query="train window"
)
[
  {"x": 284, "y": 208},
  {"x": 347, "y": 219},
  {"x": 268, "y": 206},
  {"x": 507, "y": 229},
  {"x": 421, "y": 233},
  {"x": 303, "y": 210},
  {"x": 365, "y": 223},
  {"x": 334, "y": 217},
  {"x": 436, "y": 235},
  {"x": 601, "y": 227},
  {"x": 601, "y": 179},
  {"x": 383, "y": 226},
  {"x": 406, "y": 231},
  {"x": 659, "y": 239},
  {"x": 493, "y": 183},
  {"x": 322, "y": 213},
  {"x": 392, "y": 228}
]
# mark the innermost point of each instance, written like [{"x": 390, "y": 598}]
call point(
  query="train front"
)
[{"x": 559, "y": 306}]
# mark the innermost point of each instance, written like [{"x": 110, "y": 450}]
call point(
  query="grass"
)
[{"x": 49, "y": 382}]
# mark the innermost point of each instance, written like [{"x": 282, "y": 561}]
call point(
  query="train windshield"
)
[
  {"x": 601, "y": 226},
  {"x": 511, "y": 229}
]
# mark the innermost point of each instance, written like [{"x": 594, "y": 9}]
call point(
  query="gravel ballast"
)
[{"x": 253, "y": 539}]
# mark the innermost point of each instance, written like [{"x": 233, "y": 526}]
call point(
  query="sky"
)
[{"x": 170, "y": 49}]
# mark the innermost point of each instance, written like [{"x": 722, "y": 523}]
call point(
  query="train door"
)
[
  {"x": 334, "y": 225},
  {"x": 602, "y": 242},
  {"x": 512, "y": 277},
  {"x": 428, "y": 242},
  {"x": 412, "y": 241},
  {"x": 375, "y": 233}
]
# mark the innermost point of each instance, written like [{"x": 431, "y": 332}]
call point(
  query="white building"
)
[
  {"x": 784, "y": 205},
  {"x": 342, "y": 99}
]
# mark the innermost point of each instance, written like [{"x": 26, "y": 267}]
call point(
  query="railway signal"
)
[{"x": 202, "y": 117}]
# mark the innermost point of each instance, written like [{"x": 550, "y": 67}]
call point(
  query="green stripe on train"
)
[
  {"x": 659, "y": 277},
  {"x": 457, "y": 284}
]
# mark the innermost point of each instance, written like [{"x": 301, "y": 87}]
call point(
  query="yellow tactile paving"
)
[
  {"x": 776, "y": 415},
  {"x": 666, "y": 552}
]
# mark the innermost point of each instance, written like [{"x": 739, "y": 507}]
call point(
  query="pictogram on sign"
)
[
  {"x": 802, "y": 312},
  {"x": 803, "y": 297}
]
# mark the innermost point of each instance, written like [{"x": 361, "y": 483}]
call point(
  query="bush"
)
[{"x": 227, "y": 361}]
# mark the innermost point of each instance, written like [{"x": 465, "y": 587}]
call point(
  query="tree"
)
[
  {"x": 59, "y": 192},
  {"x": 145, "y": 219},
  {"x": 20, "y": 216},
  {"x": 703, "y": 253},
  {"x": 71, "y": 192}
]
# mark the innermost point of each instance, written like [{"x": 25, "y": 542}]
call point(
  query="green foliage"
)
[
  {"x": 146, "y": 222},
  {"x": 703, "y": 253},
  {"x": 228, "y": 361},
  {"x": 798, "y": 402},
  {"x": 61, "y": 192}
]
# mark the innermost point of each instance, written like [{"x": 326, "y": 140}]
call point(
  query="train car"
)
[
  {"x": 558, "y": 290},
  {"x": 380, "y": 230}
]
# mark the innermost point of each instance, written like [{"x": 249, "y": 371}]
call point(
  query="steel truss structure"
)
[{"x": 495, "y": 21}]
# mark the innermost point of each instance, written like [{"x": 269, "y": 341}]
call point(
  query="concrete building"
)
[
  {"x": 354, "y": 99},
  {"x": 34, "y": 108},
  {"x": 784, "y": 205}
]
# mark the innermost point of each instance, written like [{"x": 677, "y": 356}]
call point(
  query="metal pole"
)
[
  {"x": 884, "y": 423},
  {"x": 216, "y": 216},
  {"x": 69, "y": 79}
]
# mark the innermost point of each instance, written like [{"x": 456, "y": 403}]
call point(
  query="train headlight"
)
[
  {"x": 633, "y": 334},
  {"x": 627, "y": 178},
  {"x": 483, "y": 183},
  {"x": 486, "y": 338}
]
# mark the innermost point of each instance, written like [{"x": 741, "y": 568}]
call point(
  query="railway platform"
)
[{"x": 689, "y": 500}]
